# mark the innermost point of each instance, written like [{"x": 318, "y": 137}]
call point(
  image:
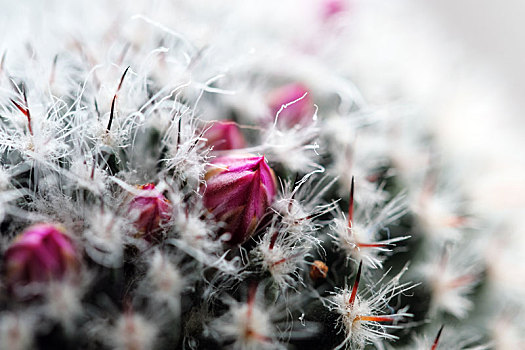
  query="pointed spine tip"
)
[
  {"x": 351, "y": 204},
  {"x": 112, "y": 113},
  {"x": 356, "y": 284},
  {"x": 436, "y": 341},
  {"x": 24, "y": 108}
]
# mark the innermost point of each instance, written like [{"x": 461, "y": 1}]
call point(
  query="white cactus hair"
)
[
  {"x": 16, "y": 330},
  {"x": 361, "y": 313},
  {"x": 133, "y": 331},
  {"x": 361, "y": 240},
  {"x": 300, "y": 204},
  {"x": 282, "y": 256},
  {"x": 164, "y": 282},
  {"x": 100, "y": 100},
  {"x": 448, "y": 339},
  {"x": 251, "y": 324},
  {"x": 284, "y": 247},
  {"x": 451, "y": 275}
]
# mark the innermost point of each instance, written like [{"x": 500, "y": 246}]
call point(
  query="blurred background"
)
[
  {"x": 491, "y": 37},
  {"x": 493, "y": 33}
]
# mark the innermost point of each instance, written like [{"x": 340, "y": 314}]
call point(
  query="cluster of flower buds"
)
[
  {"x": 42, "y": 253},
  {"x": 177, "y": 232},
  {"x": 240, "y": 188}
]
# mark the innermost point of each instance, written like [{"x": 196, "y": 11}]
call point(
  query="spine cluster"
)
[{"x": 160, "y": 193}]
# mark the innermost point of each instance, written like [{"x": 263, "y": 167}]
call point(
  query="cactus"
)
[{"x": 165, "y": 186}]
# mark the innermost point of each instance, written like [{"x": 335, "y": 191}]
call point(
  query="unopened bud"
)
[
  {"x": 299, "y": 112},
  {"x": 150, "y": 209},
  {"x": 238, "y": 192},
  {"x": 224, "y": 135},
  {"x": 42, "y": 253},
  {"x": 332, "y": 8}
]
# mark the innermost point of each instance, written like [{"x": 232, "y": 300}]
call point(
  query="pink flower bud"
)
[
  {"x": 42, "y": 253},
  {"x": 300, "y": 112},
  {"x": 332, "y": 8},
  {"x": 239, "y": 191},
  {"x": 224, "y": 135},
  {"x": 150, "y": 209}
]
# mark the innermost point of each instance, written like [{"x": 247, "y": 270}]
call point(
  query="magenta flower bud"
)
[
  {"x": 238, "y": 192},
  {"x": 42, "y": 253},
  {"x": 333, "y": 8},
  {"x": 298, "y": 113},
  {"x": 150, "y": 210},
  {"x": 224, "y": 135}
]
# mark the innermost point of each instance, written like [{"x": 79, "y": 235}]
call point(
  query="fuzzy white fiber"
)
[{"x": 98, "y": 98}]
